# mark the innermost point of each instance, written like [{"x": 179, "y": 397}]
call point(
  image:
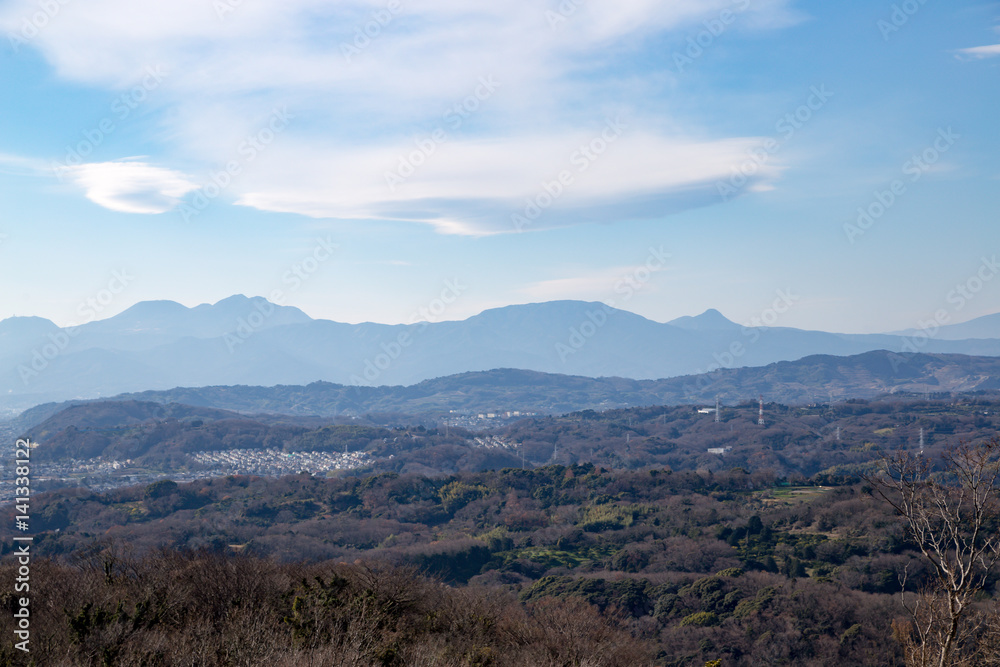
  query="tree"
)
[{"x": 951, "y": 515}]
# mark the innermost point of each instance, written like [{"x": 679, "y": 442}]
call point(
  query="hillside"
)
[
  {"x": 689, "y": 567},
  {"x": 814, "y": 379},
  {"x": 833, "y": 441}
]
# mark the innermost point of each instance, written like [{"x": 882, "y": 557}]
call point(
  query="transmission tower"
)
[{"x": 760, "y": 412}]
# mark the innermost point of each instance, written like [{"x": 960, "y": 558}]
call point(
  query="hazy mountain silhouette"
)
[{"x": 240, "y": 340}]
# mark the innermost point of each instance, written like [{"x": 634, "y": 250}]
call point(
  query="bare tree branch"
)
[{"x": 949, "y": 514}]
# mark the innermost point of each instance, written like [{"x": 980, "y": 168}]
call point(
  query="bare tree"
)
[{"x": 951, "y": 515}]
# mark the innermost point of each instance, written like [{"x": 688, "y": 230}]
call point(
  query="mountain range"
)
[{"x": 250, "y": 341}]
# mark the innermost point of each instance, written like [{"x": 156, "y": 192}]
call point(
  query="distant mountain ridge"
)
[
  {"x": 250, "y": 341},
  {"x": 710, "y": 320},
  {"x": 815, "y": 379},
  {"x": 985, "y": 327}
]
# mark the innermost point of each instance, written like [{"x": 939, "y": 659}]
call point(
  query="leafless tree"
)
[{"x": 951, "y": 515}]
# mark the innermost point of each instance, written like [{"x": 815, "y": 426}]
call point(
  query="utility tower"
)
[
  {"x": 760, "y": 412},
  {"x": 716, "y": 409}
]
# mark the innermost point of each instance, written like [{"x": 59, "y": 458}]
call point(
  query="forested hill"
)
[
  {"x": 688, "y": 568},
  {"x": 813, "y": 379},
  {"x": 835, "y": 440}
]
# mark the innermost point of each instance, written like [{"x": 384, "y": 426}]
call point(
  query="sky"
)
[{"x": 832, "y": 166}]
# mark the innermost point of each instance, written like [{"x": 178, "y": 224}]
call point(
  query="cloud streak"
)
[
  {"x": 980, "y": 52},
  {"x": 131, "y": 187},
  {"x": 480, "y": 187},
  {"x": 357, "y": 115}
]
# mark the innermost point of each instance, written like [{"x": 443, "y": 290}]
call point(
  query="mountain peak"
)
[
  {"x": 237, "y": 299},
  {"x": 156, "y": 306},
  {"x": 27, "y": 324},
  {"x": 142, "y": 316},
  {"x": 174, "y": 320},
  {"x": 556, "y": 313},
  {"x": 710, "y": 320}
]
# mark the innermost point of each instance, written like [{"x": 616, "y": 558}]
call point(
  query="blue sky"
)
[{"x": 528, "y": 150}]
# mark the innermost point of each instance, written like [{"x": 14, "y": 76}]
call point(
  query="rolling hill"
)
[{"x": 819, "y": 378}]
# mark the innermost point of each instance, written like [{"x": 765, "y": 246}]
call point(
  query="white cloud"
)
[
  {"x": 609, "y": 284},
  {"x": 354, "y": 116},
  {"x": 131, "y": 187},
  {"x": 477, "y": 187},
  {"x": 16, "y": 164},
  {"x": 109, "y": 41},
  {"x": 600, "y": 284},
  {"x": 980, "y": 52}
]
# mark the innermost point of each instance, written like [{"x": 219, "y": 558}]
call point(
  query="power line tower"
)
[
  {"x": 716, "y": 409},
  {"x": 921, "y": 440},
  {"x": 760, "y": 412}
]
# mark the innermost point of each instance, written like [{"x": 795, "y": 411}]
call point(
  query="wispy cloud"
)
[
  {"x": 15, "y": 164},
  {"x": 361, "y": 100},
  {"x": 980, "y": 52},
  {"x": 131, "y": 187},
  {"x": 484, "y": 187},
  {"x": 599, "y": 284},
  {"x": 106, "y": 41}
]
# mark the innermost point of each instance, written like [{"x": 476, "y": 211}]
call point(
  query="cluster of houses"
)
[
  {"x": 478, "y": 421},
  {"x": 279, "y": 462},
  {"x": 494, "y": 442}
]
